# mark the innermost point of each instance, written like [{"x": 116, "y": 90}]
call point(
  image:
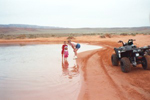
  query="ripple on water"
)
[{"x": 35, "y": 72}]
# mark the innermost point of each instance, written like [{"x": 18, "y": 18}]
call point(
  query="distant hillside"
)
[
  {"x": 13, "y": 29},
  {"x": 24, "y": 26}
]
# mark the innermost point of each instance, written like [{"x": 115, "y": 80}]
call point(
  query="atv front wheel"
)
[
  {"x": 114, "y": 60},
  {"x": 146, "y": 62},
  {"x": 125, "y": 64}
]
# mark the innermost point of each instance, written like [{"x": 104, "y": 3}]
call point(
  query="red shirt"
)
[{"x": 63, "y": 47}]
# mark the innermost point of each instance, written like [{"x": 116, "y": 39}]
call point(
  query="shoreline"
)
[
  {"x": 101, "y": 80},
  {"x": 106, "y": 82},
  {"x": 93, "y": 39}
]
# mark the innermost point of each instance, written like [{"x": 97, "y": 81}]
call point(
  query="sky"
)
[{"x": 76, "y": 13}]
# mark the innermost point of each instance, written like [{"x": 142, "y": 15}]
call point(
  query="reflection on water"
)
[
  {"x": 36, "y": 72},
  {"x": 71, "y": 71}
]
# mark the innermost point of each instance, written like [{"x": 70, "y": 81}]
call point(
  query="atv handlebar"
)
[
  {"x": 132, "y": 40},
  {"x": 120, "y": 41}
]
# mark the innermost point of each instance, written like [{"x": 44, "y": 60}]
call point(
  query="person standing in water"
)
[
  {"x": 63, "y": 48},
  {"x": 75, "y": 47},
  {"x": 65, "y": 63},
  {"x": 66, "y": 53}
]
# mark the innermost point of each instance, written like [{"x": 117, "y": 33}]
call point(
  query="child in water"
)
[
  {"x": 63, "y": 48},
  {"x": 65, "y": 63},
  {"x": 66, "y": 53}
]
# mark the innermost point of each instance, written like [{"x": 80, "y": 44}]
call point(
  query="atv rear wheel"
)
[
  {"x": 147, "y": 52},
  {"x": 125, "y": 64},
  {"x": 146, "y": 62},
  {"x": 114, "y": 60}
]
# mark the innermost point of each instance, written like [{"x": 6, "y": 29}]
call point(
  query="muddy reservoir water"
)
[{"x": 34, "y": 72}]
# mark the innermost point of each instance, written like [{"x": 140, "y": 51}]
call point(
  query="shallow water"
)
[{"x": 34, "y": 72}]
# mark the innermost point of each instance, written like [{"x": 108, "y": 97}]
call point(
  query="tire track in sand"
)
[
  {"x": 113, "y": 83},
  {"x": 97, "y": 82},
  {"x": 122, "y": 82},
  {"x": 102, "y": 81}
]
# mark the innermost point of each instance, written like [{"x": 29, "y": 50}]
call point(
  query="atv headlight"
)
[{"x": 137, "y": 54}]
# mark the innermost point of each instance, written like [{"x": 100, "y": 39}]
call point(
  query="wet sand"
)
[{"x": 101, "y": 80}]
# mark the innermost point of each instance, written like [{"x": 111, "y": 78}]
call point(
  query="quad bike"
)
[
  {"x": 130, "y": 55},
  {"x": 148, "y": 51}
]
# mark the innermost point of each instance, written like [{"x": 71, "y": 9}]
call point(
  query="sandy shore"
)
[{"x": 101, "y": 80}]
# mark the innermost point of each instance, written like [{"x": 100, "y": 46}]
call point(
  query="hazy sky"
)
[{"x": 76, "y": 13}]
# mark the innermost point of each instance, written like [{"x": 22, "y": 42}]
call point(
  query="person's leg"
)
[
  {"x": 76, "y": 49},
  {"x": 62, "y": 64},
  {"x": 62, "y": 53},
  {"x": 75, "y": 52},
  {"x": 62, "y": 56}
]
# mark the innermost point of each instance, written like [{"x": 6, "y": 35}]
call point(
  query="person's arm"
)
[
  {"x": 72, "y": 46},
  {"x": 62, "y": 47},
  {"x": 62, "y": 51}
]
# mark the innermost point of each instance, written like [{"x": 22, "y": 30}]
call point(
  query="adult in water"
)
[{"x": 75, "y": 47}]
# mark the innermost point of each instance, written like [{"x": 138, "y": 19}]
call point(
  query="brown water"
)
[{"x": 34, "y": 72}]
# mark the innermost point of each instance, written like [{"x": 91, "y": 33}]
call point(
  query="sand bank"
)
[{"x": 101, "y": 80}]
